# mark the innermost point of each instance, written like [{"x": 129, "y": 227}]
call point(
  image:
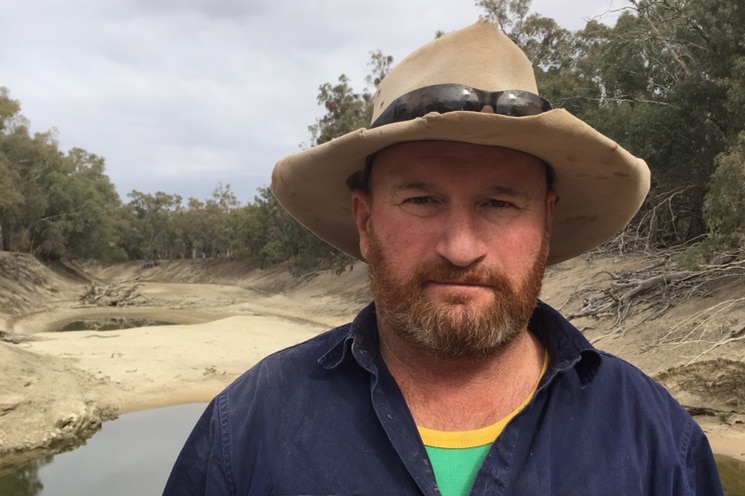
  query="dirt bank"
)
[{"x": 57, "y": 387}]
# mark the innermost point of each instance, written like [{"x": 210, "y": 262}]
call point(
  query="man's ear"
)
[
  {"x": 551, "y": 199},
  {"x": 361, "y": 210}
]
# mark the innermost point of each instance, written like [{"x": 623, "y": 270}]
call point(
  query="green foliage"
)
[
  {"x": 671, "y": 65},
  {"x": 508, "y": 14},
  {"x": 269, "y": 235},
  {"x": 86, "y": 205},
  {"x": 345, "y": 111},
  {"x": 724, "y": 204},
  {"x": 153, "y": 233},
  {"x": 667, "y": 81},
  {"x": 712, "y": 250},
  {"x": 9, "y": 110},
  {"x": 52, "y": 204}
]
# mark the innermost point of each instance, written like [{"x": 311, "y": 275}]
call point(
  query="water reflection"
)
[
  {"x": 130, "y": 455},
  {"x": 732, "y": 472},
  {"x": 25, "y": 481}
]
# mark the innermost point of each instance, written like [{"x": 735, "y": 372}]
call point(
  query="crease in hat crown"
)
[{"x": 601, "y": 185}]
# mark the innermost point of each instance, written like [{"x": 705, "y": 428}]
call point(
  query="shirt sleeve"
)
[
  {"x": 703, "y": 476},
  {"x": 199, "y": 468}
]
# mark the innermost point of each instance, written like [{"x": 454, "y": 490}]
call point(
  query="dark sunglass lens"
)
[
  {"x": 520, "y": 104},
  {"x": 445, "y": 98},
  {"x": 440, "y": 98}
]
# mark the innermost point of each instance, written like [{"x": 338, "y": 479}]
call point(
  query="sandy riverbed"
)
[{"x": 58, "y": 386}]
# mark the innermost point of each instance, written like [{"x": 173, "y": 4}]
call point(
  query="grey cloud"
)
[{"x": 180, "y": 95}]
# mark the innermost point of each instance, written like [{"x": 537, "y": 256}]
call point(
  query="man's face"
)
[{"x": 456, "y": 236}]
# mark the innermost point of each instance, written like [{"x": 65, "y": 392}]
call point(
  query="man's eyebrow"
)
[
  {"x": 499, "y": 189},
  {"x": 496, "y": 189},
  {"x": 409, "y": 185}
]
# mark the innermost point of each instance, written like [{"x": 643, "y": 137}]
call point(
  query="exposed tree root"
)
[{"x": 651, "y": 291}]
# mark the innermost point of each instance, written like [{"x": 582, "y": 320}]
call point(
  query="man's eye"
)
[
  {"x": 419, "y": 200},
  {"x": 421, "y": 206},
  {"x": 498, "y": 203}
]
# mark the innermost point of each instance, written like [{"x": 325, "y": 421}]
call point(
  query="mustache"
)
[{"x": 445, "y": 273}]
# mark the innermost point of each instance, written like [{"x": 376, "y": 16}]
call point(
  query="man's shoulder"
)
[
  {"x": 623, "y": 383},
  {"x": 604, "y": 377},
  {"x": 312, "y": 348},
  {"x": 621, "y": 371},
  {"x": 290, "y": 367}
]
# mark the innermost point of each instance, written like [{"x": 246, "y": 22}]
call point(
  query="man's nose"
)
[{"x": 460, "y": 240}]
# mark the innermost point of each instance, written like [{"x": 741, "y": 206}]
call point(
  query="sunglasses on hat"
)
[{"x": 444, "y": 98}]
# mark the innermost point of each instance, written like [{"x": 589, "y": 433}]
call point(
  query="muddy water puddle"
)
[
  {"x": 130, "y": 455},
  {"x": 110, "y": 324}
]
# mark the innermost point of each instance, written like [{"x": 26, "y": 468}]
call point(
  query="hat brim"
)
[{"x": 600, "y": 185}]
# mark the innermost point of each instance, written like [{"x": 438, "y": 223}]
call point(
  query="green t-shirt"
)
[
  {"x": 456, "y": 456},
  {"x": 455, "y": 469}
]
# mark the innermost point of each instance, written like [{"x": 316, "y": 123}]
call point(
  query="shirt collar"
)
[
  {"x": 566, "y": 345},
  {"x": 359, "y": 343}
]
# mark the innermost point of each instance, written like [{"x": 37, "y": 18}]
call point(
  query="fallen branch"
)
[
  {"x": 656, "y": 288},
  {"x": 715, "y": 346},
  {"x": 111, "y": 296}
]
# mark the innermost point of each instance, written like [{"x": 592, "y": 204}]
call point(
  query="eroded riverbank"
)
[{"x": 58, "y": 386}]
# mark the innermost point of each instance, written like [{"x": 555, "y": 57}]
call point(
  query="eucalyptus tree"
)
[
  {"x": 52, "y": 204},
  {"x": 671, "y": 72},
  {"x": 153, "y": 233},
  {"x": 36, "y": 163},
  {"x": 667, "y": 81},
  {"x": 81, "y": 219},
  {"x": 724, "y": 205}
]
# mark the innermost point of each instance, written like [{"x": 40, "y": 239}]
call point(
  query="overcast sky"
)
[{"x": 180, "y": 95}]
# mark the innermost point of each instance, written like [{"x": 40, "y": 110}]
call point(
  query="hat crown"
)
[{"x": 480, "y": 56}]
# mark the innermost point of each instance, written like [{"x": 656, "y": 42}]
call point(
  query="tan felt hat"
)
[{"x": 599, "y": 184}]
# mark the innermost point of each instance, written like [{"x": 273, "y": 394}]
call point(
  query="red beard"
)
[{"x": 453, "y": 329}]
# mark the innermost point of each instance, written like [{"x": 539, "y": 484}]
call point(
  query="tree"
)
[
  {"x": 221, "y": 210},
  {"x": 52, "y": 204},
  {"x": 510, "y": 15},
  {"x": 35, "y": 162},
  {"x": 724, "y": 205},
  {"x": 194, "y": 224},
  {"x": 10, "y": 112},
  {"x": 666, "y": 81},
  {"x": 89, "y": 206},
  {"x": 11, "y": 200},
  {"x": 671, "y": 93},
  {"x": 153, "y": 233},
  {"x": 345, "y": 111}
]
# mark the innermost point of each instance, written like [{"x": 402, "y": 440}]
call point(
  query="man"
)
[{"x": 456, "y": 380}]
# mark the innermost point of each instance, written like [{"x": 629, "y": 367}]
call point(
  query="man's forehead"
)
[
  {"x": 457, "y": 159},
  {"x": 419, "y": 160}
]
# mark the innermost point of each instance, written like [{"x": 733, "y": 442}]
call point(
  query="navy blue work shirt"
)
[{"x": 325, "y": 417}]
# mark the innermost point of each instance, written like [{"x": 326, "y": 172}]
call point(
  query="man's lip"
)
[{"x": 459, "y": 283}]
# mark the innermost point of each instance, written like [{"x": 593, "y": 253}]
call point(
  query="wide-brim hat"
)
[{"x": 600, "y": 185}]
